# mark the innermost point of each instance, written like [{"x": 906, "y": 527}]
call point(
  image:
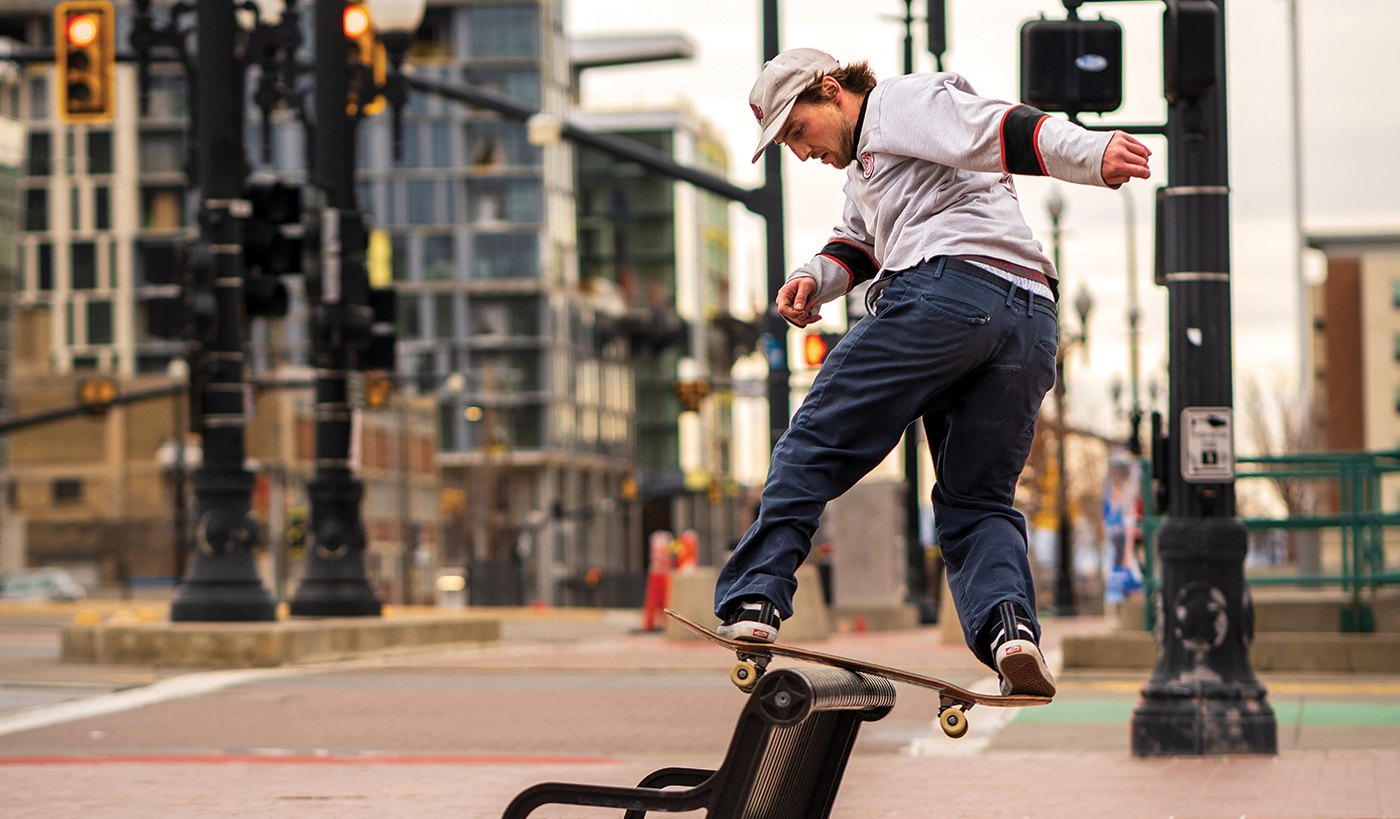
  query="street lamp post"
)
[
  {"x": 1064, "y": 545},
  {"x": 335, "y": 583},
  {"x": 1202, "y": 697}
]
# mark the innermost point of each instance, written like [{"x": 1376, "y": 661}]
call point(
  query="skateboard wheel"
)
[
  {"x": 953, "y": 722},
  {"x": 744, "y": 675}
]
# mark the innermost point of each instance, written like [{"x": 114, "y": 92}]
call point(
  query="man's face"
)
[{"x": 820, "y": 130}]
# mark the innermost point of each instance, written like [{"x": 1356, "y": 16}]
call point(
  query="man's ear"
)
[{"x": 833, "y": 88}]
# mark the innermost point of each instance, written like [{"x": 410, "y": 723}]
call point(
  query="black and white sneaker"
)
[
  {"x": 1019, "y": 662},
  {"x": 756, "y": 621}
]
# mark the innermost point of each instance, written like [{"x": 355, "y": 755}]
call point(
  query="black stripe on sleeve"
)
[
  {"x": 1018, "y": 129},
  {"x": 853, "y": 258}
]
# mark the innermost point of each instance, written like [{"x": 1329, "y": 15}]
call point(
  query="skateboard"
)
[{"x": 953, "y": 700}]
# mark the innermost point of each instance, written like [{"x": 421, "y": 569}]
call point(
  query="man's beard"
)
[{"x": 848, "y": 143}]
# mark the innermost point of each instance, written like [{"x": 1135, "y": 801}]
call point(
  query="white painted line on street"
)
[
  {"x": 983, "y": 723},
  {"x": 171, "y": 688}
]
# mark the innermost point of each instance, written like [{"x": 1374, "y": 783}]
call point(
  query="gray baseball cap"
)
[{"x": 784, "y": 78}]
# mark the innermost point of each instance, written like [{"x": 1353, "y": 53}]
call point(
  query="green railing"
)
[{"x": 1360, "y": 520}]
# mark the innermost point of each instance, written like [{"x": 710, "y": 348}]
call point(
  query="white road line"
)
[
  {"x": 983, "y": 723},
  {"x": 171, "y": 688}
]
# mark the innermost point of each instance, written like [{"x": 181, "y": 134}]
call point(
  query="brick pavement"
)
[{"x": 316, "y": 744}]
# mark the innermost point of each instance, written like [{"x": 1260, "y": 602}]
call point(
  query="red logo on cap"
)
[{"x": 757, "y": 112}]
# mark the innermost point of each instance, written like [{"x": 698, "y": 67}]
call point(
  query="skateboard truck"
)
[
  {"x": 751, "y": 666},
  {"x": 950, "y": 715}
]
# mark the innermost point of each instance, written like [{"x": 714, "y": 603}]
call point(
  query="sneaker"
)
[
  {"x": 1019, "y": 661},
  {"x": 756, "y": 621}
]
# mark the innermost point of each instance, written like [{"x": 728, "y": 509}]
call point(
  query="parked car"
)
[{"x": 40, "y": 584}]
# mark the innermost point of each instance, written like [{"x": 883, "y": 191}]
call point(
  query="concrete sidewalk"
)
[{"x": 460, "y": 733}]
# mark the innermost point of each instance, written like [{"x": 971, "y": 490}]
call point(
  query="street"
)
[{"x": 588, "y": 699}]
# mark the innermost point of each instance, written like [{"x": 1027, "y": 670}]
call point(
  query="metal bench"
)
[{"x": 785, "y": 761}]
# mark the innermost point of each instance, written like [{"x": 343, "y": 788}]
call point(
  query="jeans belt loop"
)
[
  {"x": 1011, "y": 295},
  {"x": 938, "y": 268}
]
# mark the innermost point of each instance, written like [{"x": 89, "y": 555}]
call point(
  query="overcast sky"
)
[{"x": 1351, "y": 129}]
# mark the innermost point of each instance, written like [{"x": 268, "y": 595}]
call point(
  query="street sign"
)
[{"x": 1207, "y": 445}]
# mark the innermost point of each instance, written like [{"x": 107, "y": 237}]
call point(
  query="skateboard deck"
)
[{"x": 953, "y": 699}]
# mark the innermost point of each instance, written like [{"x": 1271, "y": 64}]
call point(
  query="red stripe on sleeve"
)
[
  {"x": 844, "y": 266},
  {"x": 1035, "y": 143}
]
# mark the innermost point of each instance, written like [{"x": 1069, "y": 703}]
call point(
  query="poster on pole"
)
[{"x": 1207, "y": 444}]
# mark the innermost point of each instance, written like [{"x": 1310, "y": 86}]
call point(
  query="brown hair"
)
[{"x": 856, "y": 77}]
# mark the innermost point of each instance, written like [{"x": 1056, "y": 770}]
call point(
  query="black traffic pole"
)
[
  {"x": 916, "y": 562},
  {"x": 1203, "y": 697},
  {"x": 223, "y": 582},
  {"x": 335, "y": 584},
  {"x": 768, "y": 203}
]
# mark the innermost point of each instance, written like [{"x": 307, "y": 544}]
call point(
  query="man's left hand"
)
[{"x": 1124, "y": 159}]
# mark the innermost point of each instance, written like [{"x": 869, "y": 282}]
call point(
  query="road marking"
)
[
  {"x": 983, "y": 723},
  {"x": 171, "y": 688},
  {"x": 271, "y": 756}
]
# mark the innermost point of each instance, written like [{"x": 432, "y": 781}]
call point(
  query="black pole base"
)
[
  {"x": 1177, "y": 725},
  {"x": 223, "y": 601},
  {"x": 332, "y": 598}
]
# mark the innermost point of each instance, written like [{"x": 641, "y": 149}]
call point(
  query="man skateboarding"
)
[{"x": 961, "y": 332}]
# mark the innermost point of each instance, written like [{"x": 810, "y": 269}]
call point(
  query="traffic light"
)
[
  {"x": 85, "y": 52},
  {"x": 383, "y": 337},
  {"x": 1190, "y": 58},
  {"x": 1072, "y": 65},
  {"x": 96, "y": 395},
  {"x": 367, "y": 60},
  {"x": 271, "y": 245},
  {"x": 816, "y": 346}
]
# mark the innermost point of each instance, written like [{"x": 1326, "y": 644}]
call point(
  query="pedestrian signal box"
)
[{"x": 85, "y": 54}]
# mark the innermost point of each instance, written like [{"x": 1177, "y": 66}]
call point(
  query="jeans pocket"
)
[{"x": 969, "y": 308}]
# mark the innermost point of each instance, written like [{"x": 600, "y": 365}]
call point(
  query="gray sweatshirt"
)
[{"x": 932, "y": 177}]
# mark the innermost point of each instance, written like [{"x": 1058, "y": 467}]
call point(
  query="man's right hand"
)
[{"x": 797, "y": 303}]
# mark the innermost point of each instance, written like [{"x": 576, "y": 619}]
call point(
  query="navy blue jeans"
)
[{"x": 974, "y": 362}]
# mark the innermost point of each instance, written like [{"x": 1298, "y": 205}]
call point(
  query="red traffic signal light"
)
[
  {"x": 84, "y": 56},
  {"x": 816, "y": 347},
  {"x": 356, "y": 21}
]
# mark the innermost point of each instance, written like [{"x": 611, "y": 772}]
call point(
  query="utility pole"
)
[
  {"x": 223, "y": 582},
  {"x": 1203, "y": 697},
  {"x": 335, "y": 583}
]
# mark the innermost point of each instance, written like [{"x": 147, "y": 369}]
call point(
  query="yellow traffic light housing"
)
[
  {"x": 377, "y": 391},
  {"x": 97, "y": 394},
  {"x": 85, "y": 54},
  {"x": 364, "y": 50}
]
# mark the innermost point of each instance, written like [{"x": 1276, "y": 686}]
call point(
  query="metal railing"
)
[{"x": 1360, "y": 520}]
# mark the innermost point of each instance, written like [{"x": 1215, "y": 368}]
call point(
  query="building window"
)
[
  {"x": 44, "y": 275},
  {"x": 422, "y": 202},
  {"x": 520, "y": 84},
  {"x": 36, "y": 209},
  {"x": 162, "y": 151},
  {"x": 67, "y": 491},
  {"x": 74, "y": 211},
  {"x": 1395, "y": 294},
  {"x": 40, "y": 154},
  {"x": 503, "y": 31},
  {"x": 410, "y": 324},
  {"x": 439, "y": 258},
  {"x": 84, "y": 264},
  {"x": 99, "y": 152},
  {"x": 444, "y": 316},
  {"x": 440, "y": 144},
  {"x": 162, "y": 208},
  {"x": 102, "y": 208},
  {"x": 506, "y": 255},
  {"x": 398, "y": 244},
  {"x": 412, "y": 145},
  {"x": 38, "y": 98},
  {"x": 99, "y": 322}
]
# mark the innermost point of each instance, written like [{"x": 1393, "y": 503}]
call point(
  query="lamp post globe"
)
[{"x": 396, "y": 16}]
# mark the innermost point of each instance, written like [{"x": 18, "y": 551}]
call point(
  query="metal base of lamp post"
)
[
  {"x": 223, "y": 582},
  {"x": 1203, "y": 697},
  {"x": 335, "y": 584}
]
